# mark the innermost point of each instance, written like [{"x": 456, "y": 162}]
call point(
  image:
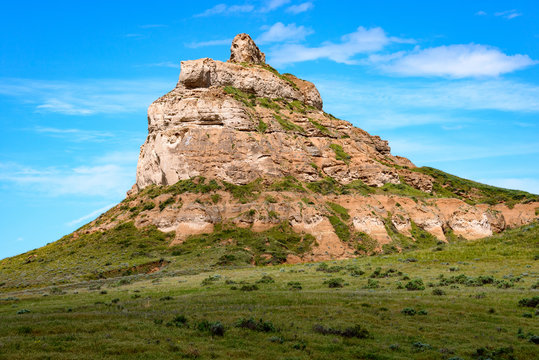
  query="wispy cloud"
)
[
  {"x": 85, "y": 97},
  {"x": 457, "y": 61},
  {"x": 75, "y": 135},
  {"x": 109, "y": 176},
  {"x": 91, "y": 215},
  {"x": 508, "y": 14},
  {"x": 209, "y": 43},
  {"x": 271, "y": 5},
  {"x": 359, "y": 42},
  {"x": 481, "y": 13},
  {"x": 297, "y": 9},
  {"x": 167, "y": 64},
  {"x": 224, "y": 9},
  {"x": 279, "y": 32},
  {"x": 392, "y": 104}
]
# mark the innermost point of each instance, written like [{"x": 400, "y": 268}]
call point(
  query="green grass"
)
[
  {"x": 339, "y": 210},
  {"x": 268, "y": 103},
  {"x": 245, "y": 193},
  {"x": 262, "y": 126},
  {"x": 340, "y": 154},
  {"x": 322, "y": 128},
  {"x": 247, "y": 99},
  {"x": 296, "y": 315},
  {"x": 288, "y": 125}
]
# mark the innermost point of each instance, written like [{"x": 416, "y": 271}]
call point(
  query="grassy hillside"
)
[{"x": 463, "y": 300}]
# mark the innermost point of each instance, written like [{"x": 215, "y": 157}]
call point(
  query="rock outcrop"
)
[{"x": 240, "y": 123}]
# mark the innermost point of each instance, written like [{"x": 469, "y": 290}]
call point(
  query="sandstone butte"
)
[{"x": 269, "y": 154}]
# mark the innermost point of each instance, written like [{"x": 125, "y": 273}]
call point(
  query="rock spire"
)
[{"x": 244, "y": 50}]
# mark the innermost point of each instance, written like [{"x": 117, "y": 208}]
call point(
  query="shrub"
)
[
  {"x": 372, "y": 284},
  {"x": 532, "y": 302},
  {"x": 249, "y": 287},
  {"x": 335, "y": 283},
  {"x": 415, "y": 284},
  {"x": 166, "y": 203},
  {"x": 266, "y": 279},
  {"x": 214, "y": 328},
  {"x": 356, "y": 331},
  {"x": 251, "y": 324},
  {"x": 148, "y": 206},
  {"x": 179, "y": 321},
  {"x": 294, "y": 285},
  {"x": 419, "y": 346},
  {"x": 438, "y": 292},
  {"x": 409, "y": 311}
]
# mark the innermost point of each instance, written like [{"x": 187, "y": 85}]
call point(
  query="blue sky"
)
[{"x": 451, "y": 84}]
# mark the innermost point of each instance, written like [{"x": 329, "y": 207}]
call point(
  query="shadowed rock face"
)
[
  {"x": 244, "y": 50},
  {"x": 241, "y": 120}
]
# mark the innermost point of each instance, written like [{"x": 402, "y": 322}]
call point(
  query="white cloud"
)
[
  {"x": 86, "y": 97},
  {"x": 75, "y": 135},
  {"x": 508, "y": 14},
  {"x": 296, "y": 9},
  {"x": 168, "y": 64},
  {"x": 109, "y": 176},
  {"x": 481, "y": 13},
  {"x": 273, "y": 5},
  {"x": 91, "y": 215},
  {"x": 361, "y": 41},
  {"x": 456, "y": 61},
  {"x": 279, "y": 32},
  {"x": 209, "y": 43},
  {"x": 223, "y": 9},
  {"x": 393, "y": 104}
]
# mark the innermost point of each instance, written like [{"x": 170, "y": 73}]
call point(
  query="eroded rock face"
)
[
  {"x": 244, "y": 50},
  {"x": 241, "y": 120}
]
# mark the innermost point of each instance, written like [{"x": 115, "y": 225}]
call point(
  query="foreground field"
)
[{"x": 466, "y": 300}]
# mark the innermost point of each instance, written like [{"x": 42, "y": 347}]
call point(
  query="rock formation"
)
[{"x": 243, "y": 125}]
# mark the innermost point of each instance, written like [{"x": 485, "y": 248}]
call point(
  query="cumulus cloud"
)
[
  {"x": 455, "y": 61},
  {"x": 223, "y": 9},
  {"x": 361, "y": 41},
  {"x": 297, "y": 9},
  {"x": 281, "y": 33}
]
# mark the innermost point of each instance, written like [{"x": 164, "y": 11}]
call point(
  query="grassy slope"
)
[{"x": 139, "y": 310}]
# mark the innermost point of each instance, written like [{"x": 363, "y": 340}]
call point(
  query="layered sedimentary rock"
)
[{"x": 238, "y": 121}]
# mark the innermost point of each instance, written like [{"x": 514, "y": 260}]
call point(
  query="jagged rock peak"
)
[{"x": 244, "y": 50}]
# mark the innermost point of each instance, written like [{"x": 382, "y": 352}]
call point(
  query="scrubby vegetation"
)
[{"x": 381, "y": 307}]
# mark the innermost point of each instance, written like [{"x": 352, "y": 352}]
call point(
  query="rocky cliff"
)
[{"x": 238, "y": 143}]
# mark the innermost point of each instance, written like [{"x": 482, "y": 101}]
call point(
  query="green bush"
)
[
  {"x": 335, "y": 283},
  {"x": 251, "y": 324},
  {"x": 415, "y": 284}
]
